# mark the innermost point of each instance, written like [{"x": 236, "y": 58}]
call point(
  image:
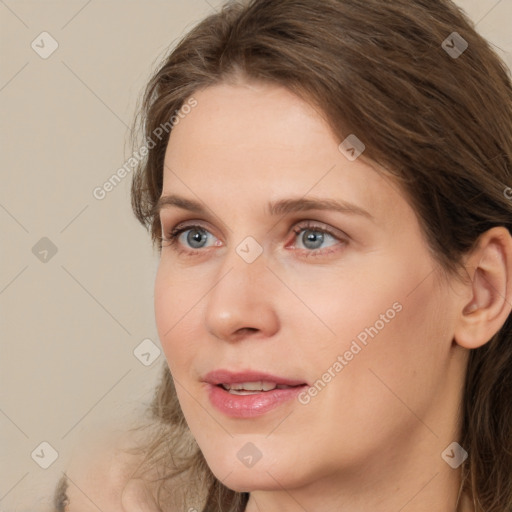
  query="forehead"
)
[
  {"x": 245, "y": 117},
  {"x": 262, "y": 141}
]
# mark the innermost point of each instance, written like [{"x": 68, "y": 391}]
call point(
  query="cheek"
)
[
  {"x": 399, "y": 368},
  {"x": 177, "y": 306},
  {"x": 366, "y": 303},
  {"x": 392, "y": 329}
]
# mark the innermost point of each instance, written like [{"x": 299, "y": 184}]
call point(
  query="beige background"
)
[{"x": 70, "y": 325}]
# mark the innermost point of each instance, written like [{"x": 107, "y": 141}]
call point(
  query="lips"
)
[{"x": 249, "y": 394}]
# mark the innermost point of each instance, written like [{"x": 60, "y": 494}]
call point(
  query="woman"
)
[{"x": 328, "y": 185}]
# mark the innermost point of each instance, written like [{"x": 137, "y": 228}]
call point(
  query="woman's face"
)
[{"x": 345, "y": 301}]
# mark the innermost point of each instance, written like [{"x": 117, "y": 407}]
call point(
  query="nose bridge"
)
[
  {"x": 240, "y": 297},
  {"x": 246, "y": 259}
]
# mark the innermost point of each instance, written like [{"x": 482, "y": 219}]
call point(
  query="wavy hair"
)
[{"x": 434, "y": 114}]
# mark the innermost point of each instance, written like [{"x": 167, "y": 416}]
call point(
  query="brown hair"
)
[{"x": 439, "y": 122}]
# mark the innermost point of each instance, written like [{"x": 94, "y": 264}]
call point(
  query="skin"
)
[{"x": 372, "y": 438}]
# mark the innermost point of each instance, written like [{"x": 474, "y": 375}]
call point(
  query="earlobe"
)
[{"x": 490, "y": 268}]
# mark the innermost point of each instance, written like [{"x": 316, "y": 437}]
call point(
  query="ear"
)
[{"x": 490, "y": 267}]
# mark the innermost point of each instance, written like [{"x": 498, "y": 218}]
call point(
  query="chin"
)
[
  {"x": 251, "y": 480},
  {"x": 263, "y": 475}
]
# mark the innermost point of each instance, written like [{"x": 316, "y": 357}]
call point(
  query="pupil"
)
[
  {"x": 195, "y": 237},
  {"x": 313, "y": 236}
]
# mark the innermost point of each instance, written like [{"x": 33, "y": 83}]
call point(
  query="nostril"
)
[{"x": 247, "y": 329}]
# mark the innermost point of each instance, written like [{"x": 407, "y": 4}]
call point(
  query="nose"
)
[{"x": 243, "y": 300}]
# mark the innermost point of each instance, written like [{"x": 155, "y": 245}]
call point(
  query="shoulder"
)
[{"x": 99, "y": 476}]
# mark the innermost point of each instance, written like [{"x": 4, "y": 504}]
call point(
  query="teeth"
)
[{"x": 252, "y": 387}]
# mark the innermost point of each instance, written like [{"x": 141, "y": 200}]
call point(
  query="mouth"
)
[
  {"x": 250, "y": 377},
  {"x": 251, "y": 388},
  {"x": 250, "y": 394}
]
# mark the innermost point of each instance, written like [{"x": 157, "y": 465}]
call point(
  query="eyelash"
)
[{"x": 172, "y": 238}]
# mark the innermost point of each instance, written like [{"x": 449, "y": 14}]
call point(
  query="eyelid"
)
[
  {"x": 188, "y": 222},
  {"x": 180, "y": 228},
  {"x": 341, "y": 238},
  {"x": 320, "y": 226}
]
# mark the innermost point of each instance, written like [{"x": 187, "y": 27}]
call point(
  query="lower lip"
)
[{"x": 249, "y": 406}]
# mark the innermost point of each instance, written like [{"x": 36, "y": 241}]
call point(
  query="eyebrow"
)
[{"x": 281, "y": 207}]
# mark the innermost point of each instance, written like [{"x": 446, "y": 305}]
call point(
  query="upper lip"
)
[{"x": 216, "y": 377}]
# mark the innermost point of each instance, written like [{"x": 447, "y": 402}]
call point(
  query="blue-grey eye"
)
[
  {"x": 313, "y": 237},
  {"x": 194, "y": 238}
]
